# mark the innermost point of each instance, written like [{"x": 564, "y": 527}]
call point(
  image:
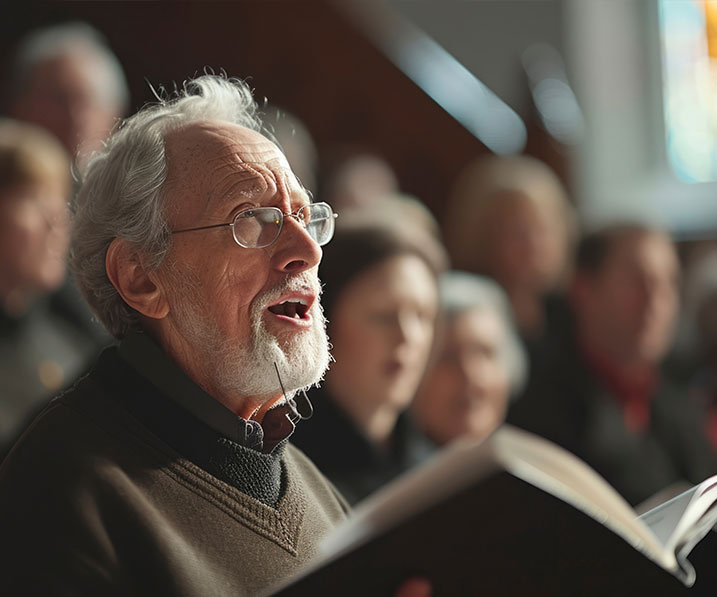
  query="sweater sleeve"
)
[{"x": 53, "y": 536}]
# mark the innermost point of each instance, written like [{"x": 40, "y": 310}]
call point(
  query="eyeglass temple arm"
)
[
  {"x": 334, "y": 214},
  {"x": 201, "y": 228}
]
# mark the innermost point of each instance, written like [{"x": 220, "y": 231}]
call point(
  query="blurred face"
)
[
  {"x": 466, "y": 391},
  {"x": 381, "y": 331},
  {"x": 234, "y": 312},
  {"x": 362, "y": 180},
  {"x": 628, "y": 307},
  {"x": 63, "y": 98},
  {"x": 34, "y": 237},
  {"x": 528, "y": 243}
]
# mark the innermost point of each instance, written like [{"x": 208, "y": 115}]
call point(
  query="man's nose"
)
[{"x": 295, "y": 250}]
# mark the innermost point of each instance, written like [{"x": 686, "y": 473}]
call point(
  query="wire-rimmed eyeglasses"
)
[{"x": 259, "y": 227}]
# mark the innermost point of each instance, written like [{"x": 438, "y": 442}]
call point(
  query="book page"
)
[
  {"x": 700, "y": 513},
  {"x": 662, "y": 496},
  {"x": 663, "y": 519},
  {"x": 684, "y": 520}
]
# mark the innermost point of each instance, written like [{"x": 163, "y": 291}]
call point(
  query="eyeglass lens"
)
[
  {"x": 257, "y": 228},
  {"x": 319, "y": 222}
]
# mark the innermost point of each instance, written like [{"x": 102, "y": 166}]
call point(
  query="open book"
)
[{"x": 515, "y": 514}]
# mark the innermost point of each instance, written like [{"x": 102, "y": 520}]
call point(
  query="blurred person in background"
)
[
  {"x": 509, "y": 218},
  {"x": 602, "y": 395},
  {"x": 697, "y": 344},
  {"x": 381, "y": 300},
  {"x": 405, "y": 212},
  {"x": 65, "y": 79},
  {"x": 41, "y": 348},
  {"x": 478, "y": 361},
  {"x": 357, "y": 179}
]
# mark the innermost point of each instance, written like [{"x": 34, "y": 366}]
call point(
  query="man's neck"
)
[
  {"x": 268, "y": 427},
  {"x": 247, "y": 407},
  {"x": 264, "y": 407}
]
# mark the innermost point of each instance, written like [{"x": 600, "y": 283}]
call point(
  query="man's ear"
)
[{"x": 135, "y": 284}]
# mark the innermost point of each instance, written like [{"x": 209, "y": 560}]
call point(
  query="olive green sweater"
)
[{"x": 93, "y": 503}]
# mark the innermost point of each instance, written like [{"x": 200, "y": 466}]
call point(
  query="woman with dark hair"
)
[{"x": 381, "y": 301}]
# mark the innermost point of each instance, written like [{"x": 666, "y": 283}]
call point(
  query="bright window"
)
[{"x": 689, "y": 66}]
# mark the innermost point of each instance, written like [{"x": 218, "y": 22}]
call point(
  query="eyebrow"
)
[
  {"x": 246, "y": 183},
  {"x": 249, "y": 184}
]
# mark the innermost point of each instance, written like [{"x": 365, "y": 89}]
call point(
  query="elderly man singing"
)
[{"x": 166, "y": 470}]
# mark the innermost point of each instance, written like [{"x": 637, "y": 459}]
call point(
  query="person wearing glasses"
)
[{"x": 167, "y": 470}]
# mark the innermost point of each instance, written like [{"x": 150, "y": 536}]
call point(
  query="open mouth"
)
[{"x": 293, "y": 309}]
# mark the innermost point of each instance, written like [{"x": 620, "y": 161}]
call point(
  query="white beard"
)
[{"x": 250, "y": 370}]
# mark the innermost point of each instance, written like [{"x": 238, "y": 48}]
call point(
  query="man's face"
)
[
  {"x": 224, "y": 326},
  {"x": 631, "y": 302}
]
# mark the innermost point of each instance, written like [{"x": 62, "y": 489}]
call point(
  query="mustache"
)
[{"x": 302, "y": 282}]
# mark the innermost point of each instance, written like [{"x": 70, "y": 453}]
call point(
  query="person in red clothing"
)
[
  {"x": 599, "y": 392},
  {"x": 625, "y": 298}
]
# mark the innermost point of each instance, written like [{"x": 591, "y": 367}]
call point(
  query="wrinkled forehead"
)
[{"x": 221, "y": 161}]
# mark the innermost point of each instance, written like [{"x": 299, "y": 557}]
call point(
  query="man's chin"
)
[{"x": 301, "y": 364}]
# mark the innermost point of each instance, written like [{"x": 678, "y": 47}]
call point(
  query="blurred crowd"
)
[{"x": 504, "y": 306}]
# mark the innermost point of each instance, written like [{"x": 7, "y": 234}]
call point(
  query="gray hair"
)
[
  {"x": 68, "y": 39},
  {"x": 121, "y": 194},
  {"x": 461, "y": 292}
]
